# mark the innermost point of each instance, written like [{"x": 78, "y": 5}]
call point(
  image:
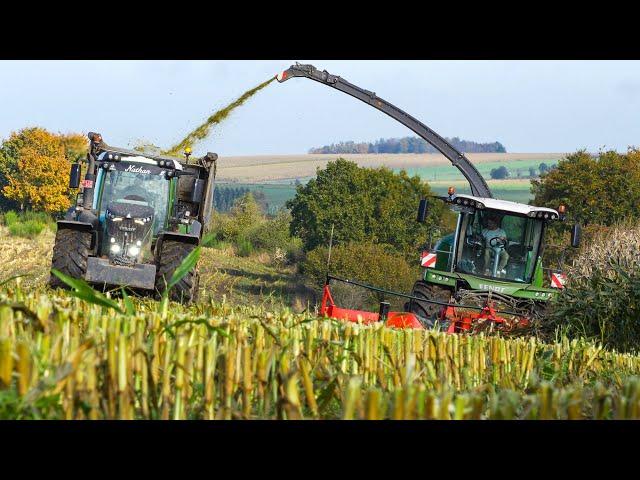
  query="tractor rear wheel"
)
[
  {"x": 171, "y": 256},
  {"x": 427, "y": 313},
  {"x": 70, "y": 252}
]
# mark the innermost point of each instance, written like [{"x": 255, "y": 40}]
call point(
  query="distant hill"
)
[{"x": 407, "y": 145}]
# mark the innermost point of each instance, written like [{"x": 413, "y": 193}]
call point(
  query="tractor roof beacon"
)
[
  {"x": 136, "y": 217},
  {"x": 493, "y": 259}
]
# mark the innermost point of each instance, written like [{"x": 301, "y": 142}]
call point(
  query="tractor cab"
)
[
  {"x": 133, "y": 200},
  {"x": 496, "y": 240},
  {"x": 499, "y": 239}
]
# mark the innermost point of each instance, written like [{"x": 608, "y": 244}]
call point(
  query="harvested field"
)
[{"x": 266, "y": 168}]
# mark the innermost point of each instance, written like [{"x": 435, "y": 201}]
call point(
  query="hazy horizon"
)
[{"x": 528, "y": 106}]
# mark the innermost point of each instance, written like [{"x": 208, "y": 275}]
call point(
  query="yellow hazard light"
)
[{"x": 187, "y": 151}]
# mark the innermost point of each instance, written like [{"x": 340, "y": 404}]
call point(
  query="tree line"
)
[
  {"x": 502, "y": 172},
  {"x": 407, "y": 145},
  {"x": 225, "y": 197}
]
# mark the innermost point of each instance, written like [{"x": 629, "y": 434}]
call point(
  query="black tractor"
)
[{"x": 137, "y": 216}]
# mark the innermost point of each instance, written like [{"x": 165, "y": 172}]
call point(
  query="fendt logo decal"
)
[
  {"x": 133, "y": 169},
  {"x": 491, "y": 288}
]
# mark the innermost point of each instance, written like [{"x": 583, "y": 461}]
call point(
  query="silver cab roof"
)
[
  {"x": 137, "y": 158},
  {"x": 506, "y": 205}
]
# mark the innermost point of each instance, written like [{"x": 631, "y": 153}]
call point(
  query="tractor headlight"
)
[
  {"x": 134, "y": 251},
  {"x": 111, "y": 216},
  {"x": 115, "y": 248}
]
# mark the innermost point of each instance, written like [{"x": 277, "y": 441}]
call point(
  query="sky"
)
[{"x": 528, "y": 106}]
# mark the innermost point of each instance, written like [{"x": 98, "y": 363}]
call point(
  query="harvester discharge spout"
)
[{"x": 478, "y": 185}]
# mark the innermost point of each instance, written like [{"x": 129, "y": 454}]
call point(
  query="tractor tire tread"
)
[
  {"x": 427, "y": 313},
  {"x": 70, "y": 253},
  {"x": 171, "y": 256}
]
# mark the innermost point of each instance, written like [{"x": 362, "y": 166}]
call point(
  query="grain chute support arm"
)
[{"x": 477, "y": 183}]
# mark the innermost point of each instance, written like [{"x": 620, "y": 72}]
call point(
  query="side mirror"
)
[
  {"x": 74, "y": 176},
  {"x": 198, "y": 191},
  {"x": 576, "y": 233},
  {"x": 422, "y": 210}
]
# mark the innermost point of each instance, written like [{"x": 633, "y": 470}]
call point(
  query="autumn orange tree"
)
[{"x": 34, "y": 169}]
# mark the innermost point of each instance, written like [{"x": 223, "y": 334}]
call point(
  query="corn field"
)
[{"x": 65, "y": 358}]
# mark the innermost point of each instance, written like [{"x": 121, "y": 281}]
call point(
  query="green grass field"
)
[
  {"x": 515, "y": 190},
  {"x": 450, "y": 173}
]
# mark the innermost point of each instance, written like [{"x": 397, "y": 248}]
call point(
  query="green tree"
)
[
  {"x": 499, "y": 173},
  {"x": 602, "y": 189},
  {"x": 363, "y": 204},
  {"x": 9, "y": 162},
  {"x": 243, "y": 217}
]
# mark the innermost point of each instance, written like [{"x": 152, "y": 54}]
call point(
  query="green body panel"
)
[
  {"x": 519, "y": 290},
  {"x": 173, "y": 185},
  {"x": 538, "y": 275},
  {"x": 443, "y": 248}
]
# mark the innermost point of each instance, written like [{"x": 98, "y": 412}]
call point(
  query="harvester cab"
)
[
  {"x": 135, "y": 219},
  {"x": 489, "y": 271},
  {"x": 494, "y": 255},
  {"x": 496, "y": 239}
]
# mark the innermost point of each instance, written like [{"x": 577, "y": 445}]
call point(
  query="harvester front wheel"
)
[
  {"x": 70, "y": 252},
  {"x": 428, "y": 313},
  {"x": 171, "y": 256}
]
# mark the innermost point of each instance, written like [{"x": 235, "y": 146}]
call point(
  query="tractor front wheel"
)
[
  {"x": 428, "y": 313},
  {"x": 70, "y": 252},
  {"x": 171, "y": 256}
]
